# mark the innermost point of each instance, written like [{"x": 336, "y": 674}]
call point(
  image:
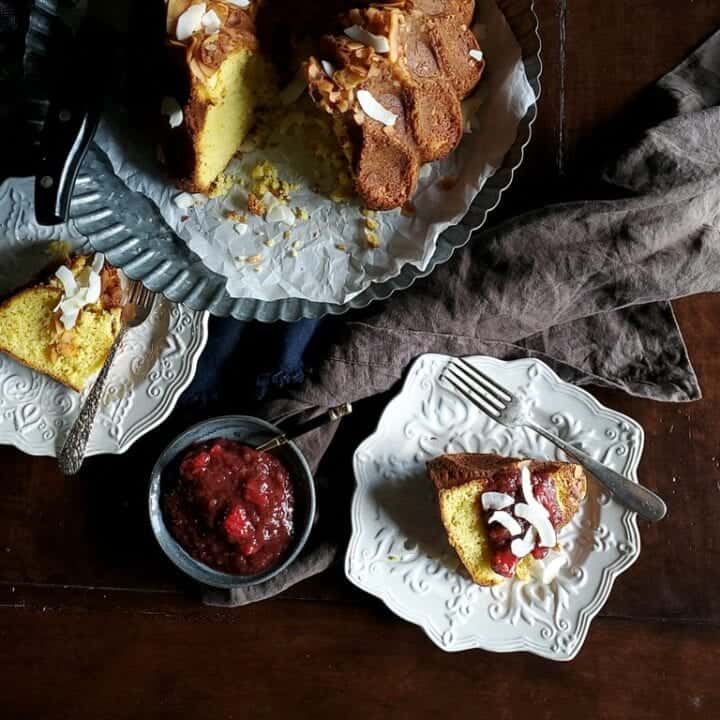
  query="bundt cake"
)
[
  {"x": 501, "y": 514},
  {"x": 390, "y": 75},
  {"x": 65, "y": 326}
]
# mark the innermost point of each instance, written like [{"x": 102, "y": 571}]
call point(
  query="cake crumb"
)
[
  {"x": 371, "y": 224},
  {"x": 256, "y": 206},
  {"x": 301, "y": 213},
  {"x": 341, "y": 246},
  {"x": 254, "y": 259},
  {"x": 367, "y": 213},
  {"x": 372, "y": 239},
  {"x": 236, "y": 216},
  {"x": 269, "y": 242},
  {"x": 286, "y": 235}
]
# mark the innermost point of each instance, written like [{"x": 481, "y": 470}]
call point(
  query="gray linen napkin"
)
[{"x": 584, "y": 286}]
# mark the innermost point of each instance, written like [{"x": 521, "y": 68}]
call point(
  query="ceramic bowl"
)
[{"x": 251, "y": 431}]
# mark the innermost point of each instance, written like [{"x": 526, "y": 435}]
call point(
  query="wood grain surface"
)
[{"x": 94, "y": 622}]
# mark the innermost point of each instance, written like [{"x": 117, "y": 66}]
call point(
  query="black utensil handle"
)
[
  {"x": 331, "y": 415},
  {"x": 69, "y": 130}
]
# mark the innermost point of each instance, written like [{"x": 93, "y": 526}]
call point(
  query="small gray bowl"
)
[{"x": 252, "y": 431}]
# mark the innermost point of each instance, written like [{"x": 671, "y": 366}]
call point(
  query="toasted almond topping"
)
[{"x": 256, "y": 206}]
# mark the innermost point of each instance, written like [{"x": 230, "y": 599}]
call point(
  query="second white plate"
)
[{"x": 399, "y": 552}]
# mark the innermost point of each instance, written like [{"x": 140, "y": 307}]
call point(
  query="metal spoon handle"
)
[
  {"x": 632, "y": 495},
  {"x": 331, "y": 415},
  {"x": 73, "y": 450}
]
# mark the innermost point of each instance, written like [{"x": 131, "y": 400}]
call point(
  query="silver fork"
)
[
  {"x": 503, "y": 407},
  {"x": 135, "y": 312}
]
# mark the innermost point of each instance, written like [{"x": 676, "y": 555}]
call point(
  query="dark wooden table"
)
[{"x": 94, "y": 623}]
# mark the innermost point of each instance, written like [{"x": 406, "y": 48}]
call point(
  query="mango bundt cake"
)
[
  {"x": 64, "y": 327},
  {"x": 389, "y": 75}
]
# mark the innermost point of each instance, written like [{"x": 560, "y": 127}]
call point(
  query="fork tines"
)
[{"x": 481, "y": 390}]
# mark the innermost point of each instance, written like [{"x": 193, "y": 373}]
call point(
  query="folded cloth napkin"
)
[{"x": 584, "y": 286}]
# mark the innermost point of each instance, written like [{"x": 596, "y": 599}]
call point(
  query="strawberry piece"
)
[
  {"x": 237, "y": 525},
  {"x": 257, "y": 491},
  {"x": 504, "y": 562}
]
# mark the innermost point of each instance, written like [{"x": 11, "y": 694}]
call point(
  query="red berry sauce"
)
[
  {"x": 508, "y": 481},
  {"x": 231, "y": 507}
]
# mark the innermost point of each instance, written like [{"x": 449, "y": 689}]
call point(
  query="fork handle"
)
[
  {"x": 632, "y": 495},
  {"x": 73, "y": 450}
]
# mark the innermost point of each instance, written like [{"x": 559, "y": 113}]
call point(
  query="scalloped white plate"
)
[
  {"x": 156, "y": 363},
  {"x": 398, "y": 550}
]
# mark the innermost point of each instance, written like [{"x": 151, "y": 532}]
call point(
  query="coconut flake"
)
[
  {"x": 94, "y": 288},
  {"x": 379, "y": 43},
  {"x": 279, "y": 212},
  {"x": 477, "y": 55},
  {"x": 211, "y": 22},
  {"x": 69, "y": 319},
  {"x": 496, "y": 500},
  {"x": 184, "y": 200},
  {"x": 527, "y": 488},
  {"x": 373, "y": 109},
  {"x": 98, "y": 262},
  {"x": 540, "y": 521},
  {"x": 65, "y": 276},
  {"x": 79, "y": 291},
  {"x": 190, "y": 21},
  {"x": 328, "y": 67},
  {"x": 547, "y": 570},
  {"x": 507, "y": 521},
  {"x": 171, "y": 107},
  {"x": 425, "y": 171},
  {"x": 240, "y": 3},
  {"x": 520, "y": 547}
]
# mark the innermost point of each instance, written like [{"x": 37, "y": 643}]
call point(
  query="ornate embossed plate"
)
[
  {"x": 398, "y": 550},
  {"x": 156, "y": 363}
]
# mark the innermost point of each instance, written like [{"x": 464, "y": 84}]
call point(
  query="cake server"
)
[
  {"x": 502, "y": 406},
  {"x": 74, "y": 112}
]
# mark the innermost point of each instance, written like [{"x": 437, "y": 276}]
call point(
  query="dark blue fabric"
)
[{"x": 244, "y": 361}]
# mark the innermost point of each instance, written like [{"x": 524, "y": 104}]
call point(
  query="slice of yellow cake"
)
[
  {"x": 502, "y": 514},
  {"x": 64, "y": 327},
  {"x": 220, "y": 80}
]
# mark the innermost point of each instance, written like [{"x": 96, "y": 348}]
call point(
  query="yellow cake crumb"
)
[{"x": 372, "y": 239}]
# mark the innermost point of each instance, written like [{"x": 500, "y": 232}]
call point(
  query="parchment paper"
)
[{"x": 309, "y": 264}]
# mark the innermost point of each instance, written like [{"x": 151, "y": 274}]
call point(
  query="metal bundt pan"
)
[{"x": 128, "y": 228}]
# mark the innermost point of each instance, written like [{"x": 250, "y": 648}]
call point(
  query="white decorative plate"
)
[
  {"x": 156, "y": 363},
  {"x": 398, "y": 550}
]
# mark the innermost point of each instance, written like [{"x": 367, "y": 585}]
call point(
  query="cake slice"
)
[
  {"x": 500, "y": 514},
  {"x": 219, "y": 80},
  {"x": 65, "y": 326}
]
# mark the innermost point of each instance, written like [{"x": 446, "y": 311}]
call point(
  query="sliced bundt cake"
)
[
  {"x": 64, "y": 327},
  {"x": 390, "y": 74},
  {"x": 501, "y": 513}
]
